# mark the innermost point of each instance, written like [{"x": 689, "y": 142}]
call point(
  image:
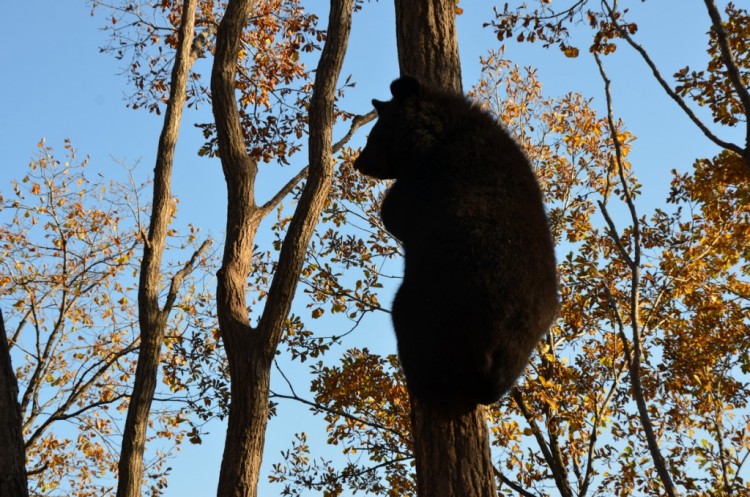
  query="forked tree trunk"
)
[
  {"x": 250, "y": 350},
  {"x": 12, "y": 454},
  {"x": 451, "y": 446}
]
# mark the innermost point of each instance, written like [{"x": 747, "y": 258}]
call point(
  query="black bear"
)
[{"x": 480, "y": 283}]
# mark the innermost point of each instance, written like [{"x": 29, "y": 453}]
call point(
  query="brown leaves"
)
[{"x": 64, "y": 244}]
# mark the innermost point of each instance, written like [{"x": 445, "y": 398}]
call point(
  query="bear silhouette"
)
[{"x": 480, "y": 283}]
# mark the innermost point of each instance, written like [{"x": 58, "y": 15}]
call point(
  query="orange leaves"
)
[
  {"x": 707, "y": 257},
  {"x": 58, "y": 266},
  {"x": 366, "y": 411}
]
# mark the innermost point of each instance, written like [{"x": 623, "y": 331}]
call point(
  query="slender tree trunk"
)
[
  {"x": 451, "y": 446},
  {"x": 250, "y": 351},
  {"x": 151, "y": 317},
  {"x": 12, "y": 454}
]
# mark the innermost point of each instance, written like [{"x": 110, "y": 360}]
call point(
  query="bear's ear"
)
[
  {"x": 405, "y": 87},
  {"x": 379, "y": 106}
]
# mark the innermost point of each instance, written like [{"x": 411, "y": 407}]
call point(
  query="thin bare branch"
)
[
  {"x": 515, "y": 486},
  {"x": 357, "y": 122},
  {"x": 266, "y": 208},
  {"x": 181, "y": 274}
]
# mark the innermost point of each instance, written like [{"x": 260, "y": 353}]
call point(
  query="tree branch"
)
[
  {"x": 515, "y": 486},
  {"x": 635, "y": 288},
  {"x": 732, "y": 69},
  {"x": 357, "y": 122},
  {"x": 152, "y": 319},
  {"x": 517, "y": 397},
  {"x": 181, "y": 274},
  {"x": 314, "y": 195},
  {"x": 674, "y": 96}
]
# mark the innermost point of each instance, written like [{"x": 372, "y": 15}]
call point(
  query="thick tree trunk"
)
[
  {"x": 250, "y": 351},
  {"x": 12, "y": 454},
  {"x": 451, "y": 446},
  {"x": 452, "y": 452},
  {"x": 152, "y": 318},
  {"x": 427, "y": 42}
]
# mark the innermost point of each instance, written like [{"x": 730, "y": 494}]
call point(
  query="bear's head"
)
[{"x": 394, "y": 140}]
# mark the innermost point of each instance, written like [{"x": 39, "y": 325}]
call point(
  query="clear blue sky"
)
[{"x": 57, "y": 85}]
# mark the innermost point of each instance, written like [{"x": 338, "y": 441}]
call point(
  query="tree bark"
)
[
  {"x": 151, "y": 317},
  {"x": 452, "y": 452},
  {"x": 12, "y": 453},
  {"x": 427, "y": 42},
  {"x": 451, "y": 446},
  {"x": 250, "y": 351}
]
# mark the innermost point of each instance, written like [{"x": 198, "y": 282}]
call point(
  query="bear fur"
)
[{"x": 480, "y": 282}]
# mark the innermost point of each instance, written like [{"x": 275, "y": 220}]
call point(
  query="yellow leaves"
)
[{"x": 573, "y": 140}]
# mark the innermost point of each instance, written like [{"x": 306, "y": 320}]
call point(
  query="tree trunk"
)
[
  {"x": 151, "y": 317},
  {"x": 451, "y": 446},
  {"x": 452, "y": 452},
  {"x": 427, "y": 42},
  {"x": 250, "y": 351},
  {"x": 12, "y": 454}
]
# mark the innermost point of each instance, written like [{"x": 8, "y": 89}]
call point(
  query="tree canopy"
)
[{"x": 640, "y": 387}]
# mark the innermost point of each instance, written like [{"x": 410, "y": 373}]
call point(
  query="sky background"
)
[{"x": 55, "y": 84}]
